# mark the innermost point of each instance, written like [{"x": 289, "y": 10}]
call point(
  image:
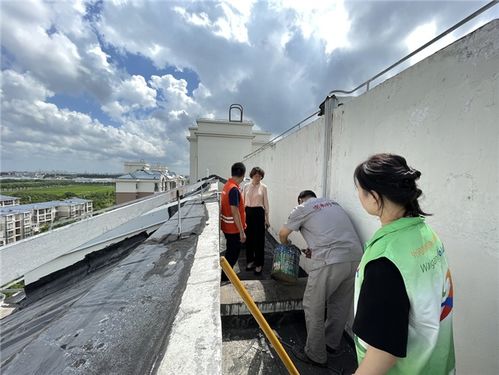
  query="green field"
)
[{"x": 102, "y": 195}]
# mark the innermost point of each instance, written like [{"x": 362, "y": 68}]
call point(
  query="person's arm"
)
[
  {"x": 234, "y": 200},
  {"x": 237, "y": 221},
  {"x": 245, "y": 194},
  {"x": 284, "y": 234},
  {"x": 266, "y": 206},
  {"x": 382, "y": 317},
  {"x": 376, "y": 362}
]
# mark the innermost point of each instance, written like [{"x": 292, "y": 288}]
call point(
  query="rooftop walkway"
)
[{"x": 245, "y": 350}]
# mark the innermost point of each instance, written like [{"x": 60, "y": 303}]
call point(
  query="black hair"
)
[
  {"x": 238, "y": 170},
  {"x": 257, "y": 170},
  {"x": 391, "y": 177},
  {"x": 306, "y": 194}
]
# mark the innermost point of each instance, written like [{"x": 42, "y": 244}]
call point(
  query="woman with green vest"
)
[{"x": 403, "y": 287}]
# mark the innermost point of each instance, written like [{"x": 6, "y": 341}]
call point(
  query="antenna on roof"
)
[{"x": 240, "y": 108}]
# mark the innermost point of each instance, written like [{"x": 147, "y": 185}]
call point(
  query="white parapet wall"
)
[
  {"x": 291, "y": 166},
  {"x": 442, "y": 114},
  {"x": 195, "y": 341}
]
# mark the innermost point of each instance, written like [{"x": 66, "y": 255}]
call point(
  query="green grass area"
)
[
  {"x": 102, "y": 195},
  {"x": 76, "y": 189}
]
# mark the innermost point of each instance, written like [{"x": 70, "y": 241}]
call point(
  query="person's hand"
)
[
  {"x": 267, "y": 225},
  {"x": 242, "y": 237},
  {"x": 307, "y": 252}
]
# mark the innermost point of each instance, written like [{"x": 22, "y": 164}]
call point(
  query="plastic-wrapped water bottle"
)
[{"x": 286, "y": 263}]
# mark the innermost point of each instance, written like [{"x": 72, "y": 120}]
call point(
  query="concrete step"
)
[{"x": 269, "y": 295}]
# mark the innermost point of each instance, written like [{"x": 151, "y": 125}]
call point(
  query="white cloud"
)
[
  {"x": 422, "y": 35},
  {"x": 230, "y": 24},
  {"x": 326, "y": 20},
  {"x": 57, "y": 45},
  {"x": 130, "y": 94},
  {"x": 136, "y": 93},
  {"x": 22, "y": 86},
  {"x": 98, "y": 57},
  {"x": 279, "y": 59}
]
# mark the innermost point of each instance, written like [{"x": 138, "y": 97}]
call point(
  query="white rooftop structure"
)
[{"x": 217, "y": 144}]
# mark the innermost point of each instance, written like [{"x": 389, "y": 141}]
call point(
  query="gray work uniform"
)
[{"x": 336, "y": 252}]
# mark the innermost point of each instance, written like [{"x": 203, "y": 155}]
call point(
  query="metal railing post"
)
[{"x": 179, "y": 225}]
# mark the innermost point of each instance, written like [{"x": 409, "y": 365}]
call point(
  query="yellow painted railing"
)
[{"x": 257, "y": 314}]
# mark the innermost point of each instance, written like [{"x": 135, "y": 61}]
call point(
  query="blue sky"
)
[{"x": 87, "y": 85}]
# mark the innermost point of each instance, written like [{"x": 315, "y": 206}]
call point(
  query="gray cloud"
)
[{"x": 264, "y": 57}]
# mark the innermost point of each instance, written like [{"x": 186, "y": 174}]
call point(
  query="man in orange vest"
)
[{"x": 232, "y": 215}]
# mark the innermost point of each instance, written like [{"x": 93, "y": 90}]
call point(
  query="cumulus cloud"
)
[
  {"x": 33, "y": 127},
  {"x": 279, "y": 59},
  {"x": 131, "y": 94},
  {"x": 22, "y": 86},
  {"x": 57, "y": 45}
]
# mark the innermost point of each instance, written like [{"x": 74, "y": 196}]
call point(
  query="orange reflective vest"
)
[{"x": 227, "y": 223}]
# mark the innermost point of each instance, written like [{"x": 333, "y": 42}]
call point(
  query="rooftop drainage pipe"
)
[{"x": 257, "y": 314}]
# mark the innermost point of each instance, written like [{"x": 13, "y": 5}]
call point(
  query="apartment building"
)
[
  {"x": 145, "y": 181},
  {"x": 74, "y": 207},
  {"x": 42, "y": 214},
  {"x": 21, "y": 221},
  {"x": 6, "y": 200},
  {"x": 15, "y": 224}
]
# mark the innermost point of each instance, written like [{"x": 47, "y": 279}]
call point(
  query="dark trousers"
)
[
  {"x": 255, "y": 235},
  {"x": 232, "y": 250}
]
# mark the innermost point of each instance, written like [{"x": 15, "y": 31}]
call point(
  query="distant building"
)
[
  {"x": 15, "y": 224},
  {"x": 132, "y": 166},
  {"x": 145, "y": 181},
  {"x": 43, "y": 213},
  {"x": 6, "y": 200},
  {"x": 21, "y": 221},
  {"x": 216, "y": 144},
  {"x": 74, "y": 207}
]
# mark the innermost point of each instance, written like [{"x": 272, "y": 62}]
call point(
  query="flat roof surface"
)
[{"x": 113, "y": 320}]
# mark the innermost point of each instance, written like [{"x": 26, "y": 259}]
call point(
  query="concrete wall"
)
[
  {"x": 193, "y": 157},
  {"x": 126, "y": 186},
  {"x": 148, "y": 186},
  {"x": 216, "y": 144},
  {"x": 217, "y": 154},
  {"x": 290, "y": 166},
  {"x": 442, "y": 115}
]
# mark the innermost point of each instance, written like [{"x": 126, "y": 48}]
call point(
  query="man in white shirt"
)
[{"x": 334, "y": 250}]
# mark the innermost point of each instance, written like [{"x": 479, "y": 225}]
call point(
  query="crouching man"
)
[{"x": 334, "y": 250}]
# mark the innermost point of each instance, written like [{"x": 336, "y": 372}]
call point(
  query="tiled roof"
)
[
  {"x": 8, "y": 210},
  {"x": 74, "y": 200},
  {"x": 41, "y": 205},
  {"x": 7, "y": 197},
  {"x": 141, "y": 175}
]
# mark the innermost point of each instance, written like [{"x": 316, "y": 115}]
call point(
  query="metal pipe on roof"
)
[{"x": 330, "y": 103}]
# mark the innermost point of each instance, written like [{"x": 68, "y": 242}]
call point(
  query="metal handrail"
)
[
  {"x": 273, "y": 140},
  {"x": 257, "y": 314},
  {"x": 438, "y": 37},
  {"x": 366, "y": 83}
]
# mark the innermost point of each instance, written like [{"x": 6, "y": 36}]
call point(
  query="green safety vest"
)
[{"x": 412, "y": 246}]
